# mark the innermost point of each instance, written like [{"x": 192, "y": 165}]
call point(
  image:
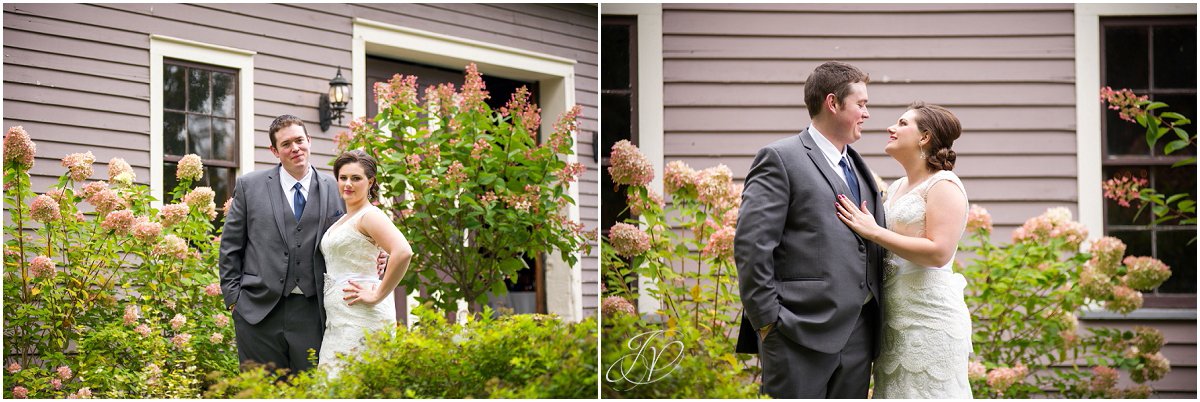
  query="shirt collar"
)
[
  {"x": 827, "y": 147},
  {"x": 288, "y": 181}
]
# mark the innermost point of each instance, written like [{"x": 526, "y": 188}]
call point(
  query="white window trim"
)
[
  {"x": 242, "y": 60},
  {"x": 1087, "y": 94},
  {"x": 650, "y": 106},
  {"x": 556, "y": 77}
]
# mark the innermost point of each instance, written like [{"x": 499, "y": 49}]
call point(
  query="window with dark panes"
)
[
  {"x": 618, "y": 112},
  {"x": 200, "y": 117},
  {"x": 618, "y": 116},
  {"x": 1154, "y": 57}
]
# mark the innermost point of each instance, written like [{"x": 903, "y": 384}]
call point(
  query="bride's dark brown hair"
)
[
  {"x": 362, "y": 159},
  {"x": 943, "y": 128}
]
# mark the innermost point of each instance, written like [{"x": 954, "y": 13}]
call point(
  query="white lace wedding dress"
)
[
  {"x": 927, "y": 328},
  {"x": 350, "y": 255}
]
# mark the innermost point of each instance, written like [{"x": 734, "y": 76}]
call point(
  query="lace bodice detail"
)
[
  {"x": 348, "y": 251},
  {"x": 906, "y": 216}
]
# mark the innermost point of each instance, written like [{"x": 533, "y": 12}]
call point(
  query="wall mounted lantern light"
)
[{"x": 334, "y": 103}]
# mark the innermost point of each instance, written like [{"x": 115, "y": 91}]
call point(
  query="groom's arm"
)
[
  {"x": 759, "y": 231},
  {"x": 233, "y": 246}
]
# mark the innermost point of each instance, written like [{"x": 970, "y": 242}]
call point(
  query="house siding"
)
[
  {"x": 76, "y": 76},
  {"x": 734, "y": 76}
]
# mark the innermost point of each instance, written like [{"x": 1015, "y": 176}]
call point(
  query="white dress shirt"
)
[{"x": 832, "y": 155}]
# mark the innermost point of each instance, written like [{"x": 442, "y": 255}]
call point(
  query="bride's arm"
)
[
  {"x": 379, "y": 228},
  {"x": 945, "y": 220}
]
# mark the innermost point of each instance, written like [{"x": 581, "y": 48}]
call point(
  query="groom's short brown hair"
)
[{"x": 833, "y": 77}]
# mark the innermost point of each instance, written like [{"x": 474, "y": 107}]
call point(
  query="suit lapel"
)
[
  {"x": 275, "y": 192},
  {"x": 818, "y": 159},
  {"x": 866, "y": 182}
]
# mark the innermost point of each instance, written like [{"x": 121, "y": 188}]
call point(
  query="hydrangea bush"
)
[
  {"x": 1024, "y": 299},
  {"x": 687, "y": 252},
  {"x": 479, "y": 191},
  {"x": 105, "y": 295}
]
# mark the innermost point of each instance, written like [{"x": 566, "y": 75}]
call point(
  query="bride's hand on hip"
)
[
  {"x": 355, "y": 293},
  {"x": 860, "y": 220}
]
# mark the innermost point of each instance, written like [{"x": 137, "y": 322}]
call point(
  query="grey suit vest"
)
[{"x": 303, "y": 236}]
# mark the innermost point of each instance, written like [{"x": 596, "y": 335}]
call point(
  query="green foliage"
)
[
  {"x": 84, "y": 313},
  {"x": 1024, "y": 297},
  {"x": 517, "y": 356},
  {"x": 479, "y": 190},
  {"x": 687, "y": 253}
]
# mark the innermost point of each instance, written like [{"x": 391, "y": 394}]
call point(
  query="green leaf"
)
[
  {"x": 1175, "y": 146},
  {"x": 1182, "y": 134},
  {"x": 1187, "y": 206},
  {"x": 1185, "y": 162},
  {"x": 1176, "y": 197},
  {"x": 1172, "y": 115},
  {"x": 1155, "y": 105}
]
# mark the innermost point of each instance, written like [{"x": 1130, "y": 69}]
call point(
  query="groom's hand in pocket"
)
[
  {"x": 766, "y": 329},
  {"x": 381, "y": 261}
]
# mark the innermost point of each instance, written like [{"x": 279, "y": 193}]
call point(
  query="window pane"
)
[
  {"x": 1123, "y": 137},
  {"x": 173, "y": 93},
  {"x": 220, "y": 179},
  {"x": 1174, "y": 250},
  {"x": 200, "y": 136},
  {"x": 1115, "y": 214},
  {"x": 612, "y": 203},
  {"x": 224, "y": 132},
  {"x": 224, "y": 94},
  {"x": 1136, "y": 242},
  {"x": 174, "y": 133},
  {"x": 1184, "y": 104},
  {"x": 1126, "y": 57},
  {"x": 614, "y": 121},
  {"x": 199, "y": 96},
  {"x": 169, "y": 182},
  {"x": 1175, "y": 57},
  {"x": 615, "y": 53},
  {"x": 1170, "y": 181}
]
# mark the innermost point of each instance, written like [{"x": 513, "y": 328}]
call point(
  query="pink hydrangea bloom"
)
[
  {"x": 79, "y": 165},
  {"x": 120, "y": 221},
  {"x": 616, "y": 305},
  {"x": 976, "y": 371},
  {"x": 1104, "y": 378},
  {"x": 173, "y": 214},
  {"x": 178, "y": 321},
  {"x": 1155, "y": 368},
  {"x": 83, "y": 393},
  {"x": 677, "y": 176},
  {"x": 638, "y": 206},
  {"x": 564, "y": 130},
  {"x": 221, "y": 320},
  {"x": 1145, "y": 273},
  {"x": 64, "y": 372},
  {"x": 42, "y": 266},
  {"x": 131, "y": 315},
  {"x": 190, "y": 168},
  {"x": 714, "y": 187},
  {"x": 731, "y": 216},
  {"x": 978, "y": 219},
  {"x": 1124, "y": 189},
  {"x": 19, "y": 148},
  {"x": 1124, "y": 300},
  {"x": 44, "y": 208},
  {"x": 629, "y": 165},
  {"x": 143, "y": 330},
  {"x": 1094, "y": 283},
  {"x": 720, "y": 244},
  {"x": 13, "y": 368},
  {"x": 570, "y": 173},
  {"x": 1002, "y": 378},
  {"x": 474, "y": 92},
  {"x": 120, "y": 171},
  {"x": 106, "y": 200},
  {"x": 200, "y": 197},
  {"x": 1054, "y": 223},
  {"x": 526, "y": 114},
  {"x": 1106, "y": 254},
  {"x": 213, "y": 289},
  {"x": 173, "y": 246},
  {"x": 216, "y": 338},
  {"x": 56, "y": 384},
  {"x": 20, "y": 392},
  {"x": 181, "y": 341},
  {"x": 146, "y": 230},
  {"x": 628, "y": 240},
  {"x": 456, "y": 173},
  {"x": 92, "y": 188},
  {"x": 1124, "y": 101}
]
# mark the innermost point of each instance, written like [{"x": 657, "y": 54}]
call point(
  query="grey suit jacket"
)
[
  {"x": 254, "y": 244},
  {"x": 798, "y": 265}
]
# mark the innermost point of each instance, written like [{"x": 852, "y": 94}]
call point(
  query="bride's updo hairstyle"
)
[
  {"x": 362, "y": 159},
  {"x": 943, "y": 128}
]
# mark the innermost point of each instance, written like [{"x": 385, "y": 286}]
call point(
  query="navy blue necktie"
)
[
  {"x": 851, "y": 181},
  {"x": 298, "y": 201}
]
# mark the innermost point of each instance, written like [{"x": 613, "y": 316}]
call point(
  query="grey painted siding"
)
[
  {"x": 734, "y": 76},
  {"x": 77, "y": 75}
]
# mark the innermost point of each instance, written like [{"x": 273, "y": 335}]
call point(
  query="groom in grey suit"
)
[
  {"x": 272, "y": 271},
  {"x": 809, "y": 285}
]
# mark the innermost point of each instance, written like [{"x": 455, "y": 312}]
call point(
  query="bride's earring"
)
[{"x": 922, "y": 154}]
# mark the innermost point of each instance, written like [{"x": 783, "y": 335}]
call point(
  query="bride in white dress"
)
[
  {"x": 356, "y": 300},
  {"x": 927, "y": 328}
]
